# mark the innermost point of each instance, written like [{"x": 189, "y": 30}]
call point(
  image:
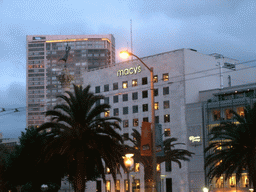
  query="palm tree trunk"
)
[
  {"x": 148, "y": 175},
  {"x": 79, "y": 182}
]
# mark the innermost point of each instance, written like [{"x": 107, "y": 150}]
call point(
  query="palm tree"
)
[
  {"x": 170, "y": 154},
  {"x": 232, "y": 147},
  {"x": 87, "y": 141}
]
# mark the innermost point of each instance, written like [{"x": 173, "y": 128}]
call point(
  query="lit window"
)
[
  {"x": 216, "y": 114},
  {"x": 166, "y": 104},
  {"x": 156, "y": 106},
  {"x": 245, "y": 180},
  {"x": 232, "y": 181},
  {"x": 240, "y": 111},
  {"x": 135, "y": 122},
  {"x": 165, "y": 77},
  {"x": 158, "y": 167},
  {"x": 134, "y": 82},
  {"x": 117, "y": 186},
  {"x": 107, "y": 170},
  {"x": 106, "y": 114},
  {"x": 167, "y": 132},
  {"x": 108, "y": 186},
  {"x": 137, "y": 184},
  {"x": 228, "y": 114},
  {"x": 125, "y": 84},
  {"x": 166, "y": 118},
  {"x": 137, "y": 167},
  {"x": 155, "y": 79},
  {"x": 125, "y": 123},
  {"x": 126, "y": 185}
]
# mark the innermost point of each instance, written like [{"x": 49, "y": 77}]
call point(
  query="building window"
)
[
  {"x": 158, "y": 167},
  {"x": 166, "y": 118},
  {"x": 135, "y": 96},
  {"x": 135, "y": 122},
  {"x": 228, "y": 114},
  {"x": 125, "y": 84},
  {"x": 155, "y": 79},
  {"x": 125, "y": 123},
  {"x": 232, "y": 181},
  {"x": 136, "y": 167},
  {"x": 106, "y": 88},
  {"x": 167, "y": 132},
  {"x": 135, "y": 108},
  {"x": 245, "y": 180},
  {"x": 137, "y": 185},
  {"x": 144, "y": 80},
  {"x": 165, "y": 90},
  {"x": 116, "y": 112},
  {"x": 156, "y": 119},
  {"x": 166, "y": 104},
  {"x": 126, "y": 136},
  {"x": 165, "y": 77},
  {"x": 145, "y": 119},
  {"x": 115, "y": 99},
  {"x": 125, "y": 97},
  {"x": 125, "y": 110},
  {"x": 97, "y": 89},
  {"x": 106, "y": 100},
  {"x": 126, "y": 185},
  {"x": 115, "y": 86},
  {"x": 117, "y": 187},
  {"x": 216, "y": 114},
  {"x": 240, "y": 111},
  {"x": 108, "y": 186},
  {"x": 106, "y": 114},
  {"x": 144, "y": 94},
  {"x": 168, "y": 166},
  {"x": 134, "y": 82},
  {"x": 145, "y": 107},
  {"x": 156, "y": 105},
  {"x": 97, "y": 103},
  {"x": 155, "y": 92}
]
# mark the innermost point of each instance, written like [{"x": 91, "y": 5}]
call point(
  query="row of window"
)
[
  {"x": 134, "y": 83},
  {"x": 135, "y": 95},
  {"x": 226, "y": 114},
  {"x": 145, "y": 108}
]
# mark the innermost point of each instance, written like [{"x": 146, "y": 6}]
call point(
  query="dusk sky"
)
[{"x": 226, "y": 27}]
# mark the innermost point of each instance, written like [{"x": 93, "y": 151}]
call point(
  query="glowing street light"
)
[
  {"x": 128, "y": 162},
  {"x": 126, "y": 54}
]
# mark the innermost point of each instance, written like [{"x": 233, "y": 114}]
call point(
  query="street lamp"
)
[
  {"x": 44, "y": 187},
  {"x": 128, "y": 162},
  {"x": 126, "y": 54},
  {"x": 205, "y": 189}
]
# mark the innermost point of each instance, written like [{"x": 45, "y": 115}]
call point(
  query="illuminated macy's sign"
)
[{"x": 129, "y": 71}]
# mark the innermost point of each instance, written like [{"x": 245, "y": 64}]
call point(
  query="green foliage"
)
[
  {"x": 23, "y": 165},
  {"x": 232, "y": 147},
  {"x": 83, "y": 139}
]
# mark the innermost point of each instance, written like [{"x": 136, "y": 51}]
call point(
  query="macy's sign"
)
[{"x": 129, "y": 71}]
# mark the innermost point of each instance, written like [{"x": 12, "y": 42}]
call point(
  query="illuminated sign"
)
[
  {"x": 194, "y": 139},
  {"x": 129, "y": 71}
]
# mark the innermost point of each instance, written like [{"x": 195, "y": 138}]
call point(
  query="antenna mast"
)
[{"x": 131, "y": 35}]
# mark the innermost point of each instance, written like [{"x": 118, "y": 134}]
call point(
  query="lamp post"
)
[
  {"x": 128, "y": 161},
  {"x": 126, "y": 54}
]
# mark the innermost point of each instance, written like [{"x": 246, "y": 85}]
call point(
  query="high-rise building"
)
[{"x": 44, "y": 65}]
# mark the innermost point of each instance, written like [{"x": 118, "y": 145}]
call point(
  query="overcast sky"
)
[{"x": 209, "y": 26}]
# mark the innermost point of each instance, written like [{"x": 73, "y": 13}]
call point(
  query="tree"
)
[
  {"x": 170, "y": 154},
  {"x": 23, "y": 168},
  {"x": 88, "y": 141},
  {"x": 232, "y": 147}
]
